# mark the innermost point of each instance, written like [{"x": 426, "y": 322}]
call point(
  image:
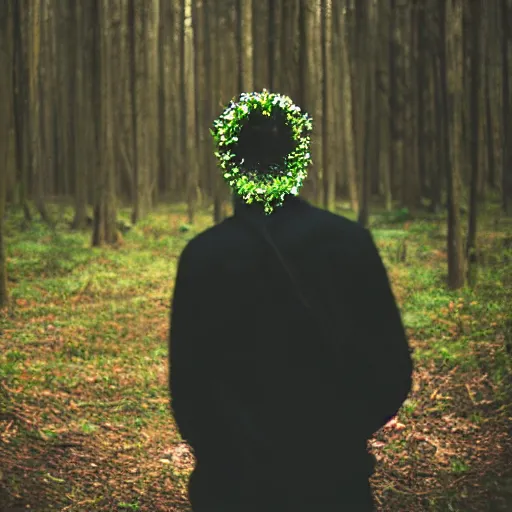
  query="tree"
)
[
  {"x": 329, "y": 180},
  {"x": 307, "y": 82},
  {"x": 350, "y": 148},
  {"x": 214, "y": 76},
  {"x": 245, "y": 46},
  {"x": 260, "y": 32},
  {"x": 20, "y": 78},
  {"x": 105, "y": 213},
  {"x": 34, "y": 114},
  {"x": 365, "y": 16},
  {"x": 6, "y": 92},
  {"x": 506, "y": 186},
  {"x": 451, "y": 28},
  {"x": 420, "y": 71},
  {"x": 143, "y": 97},
  {"x": 81, "y": 125},
  {"x": 188, "y": 97},
  {"x": 476, "y": 14},
  {"x": 394, "y": 111}
]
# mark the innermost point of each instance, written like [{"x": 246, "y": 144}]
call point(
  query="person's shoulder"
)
[
  {"x": 205, "y": 245},
  {"x": 337, "y": 223}
]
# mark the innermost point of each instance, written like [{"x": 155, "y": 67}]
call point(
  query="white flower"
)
[{"x": 294, "y": 191}]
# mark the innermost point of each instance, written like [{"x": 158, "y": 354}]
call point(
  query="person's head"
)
[{"x": 263, "y": 143}]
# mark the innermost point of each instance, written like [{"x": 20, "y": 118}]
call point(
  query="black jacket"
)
[{"x": 267, "y": 402}]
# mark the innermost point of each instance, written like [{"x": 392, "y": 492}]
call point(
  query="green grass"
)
[{"x": 84, "y": 401}]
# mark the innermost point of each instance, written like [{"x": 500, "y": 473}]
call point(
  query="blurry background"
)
[{"x": 115, "y": 98}]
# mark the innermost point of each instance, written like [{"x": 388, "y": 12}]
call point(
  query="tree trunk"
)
[
  {"x": 35, "y": 112},
  {"x": 214, "y": 16},
  {"x": 142, "y": 101},
  {"x": 491, "y": 159},
  {"x": 393, "y": 94},
  {"x": 476, "y": 13},
  {"x": 506, "y": 173},
  {"x": 307, "y": 83},
  {"x": 421, "y": 101},
  {"x": 439, "y": 149},
  {"x": 366, "y": 62},
  {"x": 20, "y": 108},
  {"x": 246, "y": 65},
  {"x": 454, "y": 78},
  {"x": 383, "y": 90},
  {"x": 260, "y": 24},
  {"x": 81, "y": 126},
  {"x": 105, "y": 215},
  {"x": 350, "y": 149},
  {"x": 317, "y": 176},
  {"x": 329, "y": 181},
  {"x": 6, "y": 13},
  {"x": 189, "y": 111}
]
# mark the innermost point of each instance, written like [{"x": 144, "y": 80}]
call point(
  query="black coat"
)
[{"x": 273, "y": 401}]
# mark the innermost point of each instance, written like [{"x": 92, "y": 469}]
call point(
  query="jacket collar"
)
[{"x": 290, "y": 203}]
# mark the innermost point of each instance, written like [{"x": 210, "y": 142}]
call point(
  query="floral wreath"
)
[{"x": 268, "y": 186}]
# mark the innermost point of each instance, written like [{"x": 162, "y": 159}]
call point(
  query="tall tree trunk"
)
[
  {"x": 143, "y": 97},
  {"x": 65, "y": 77},
  {"x": 105, "y": 215},
  {"x": 200, "y": 100},
  {"x": 35, "y": 112},
  {"x": 506, "y": 185},
  {"x": 476, "y": 13},
  {"x": 209, "y": 112},
  {"x": 6, "y": 61},
  {"x": 439, "y": 140},
  {"x": 383, "y": 88},
  {"x": 290, "y": 72},
  {"x": 163, "y": 37},
  {"x": 421, "y": 100},
  {"x": 260, "y": 25},
  {"x": 329, "y": 181},
  {"x": 189, "y": 123},
  {"x": 491, "y": 159},
  {"x": 246, "y": 65},
  {"x": 214, "y": 16},
  {"x": 366, "y": 64},
  {"x": 80, "y": 120},
  {"x": 350, "y": 148},
  {"x": 393, "y": 94},
  {"x": 454, "y": 44},
  {"x": 317, "y": 176},
  {"x": 20, "y": 111},
  {"x": 306, "y": 79}
]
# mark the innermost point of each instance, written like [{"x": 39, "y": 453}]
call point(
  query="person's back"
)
[{"x": 278, "y": 401}]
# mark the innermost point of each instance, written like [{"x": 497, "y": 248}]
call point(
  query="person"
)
[{"x": 287, "y": 350}]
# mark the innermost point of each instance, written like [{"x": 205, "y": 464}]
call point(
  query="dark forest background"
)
[
  {"x": 107, "y": 170},
  {"x": 110, "y": 102}
]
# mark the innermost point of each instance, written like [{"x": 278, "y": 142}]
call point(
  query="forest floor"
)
[{"x": 85, "y": 423}]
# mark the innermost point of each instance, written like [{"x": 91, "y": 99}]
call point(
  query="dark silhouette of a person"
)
[{"x": 287, "y": 352}]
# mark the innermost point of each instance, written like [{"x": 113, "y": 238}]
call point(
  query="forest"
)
[{"x": 107, "y": 170}]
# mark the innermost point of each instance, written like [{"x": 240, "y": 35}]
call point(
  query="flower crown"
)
[{"x": 268, "y": 186}]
